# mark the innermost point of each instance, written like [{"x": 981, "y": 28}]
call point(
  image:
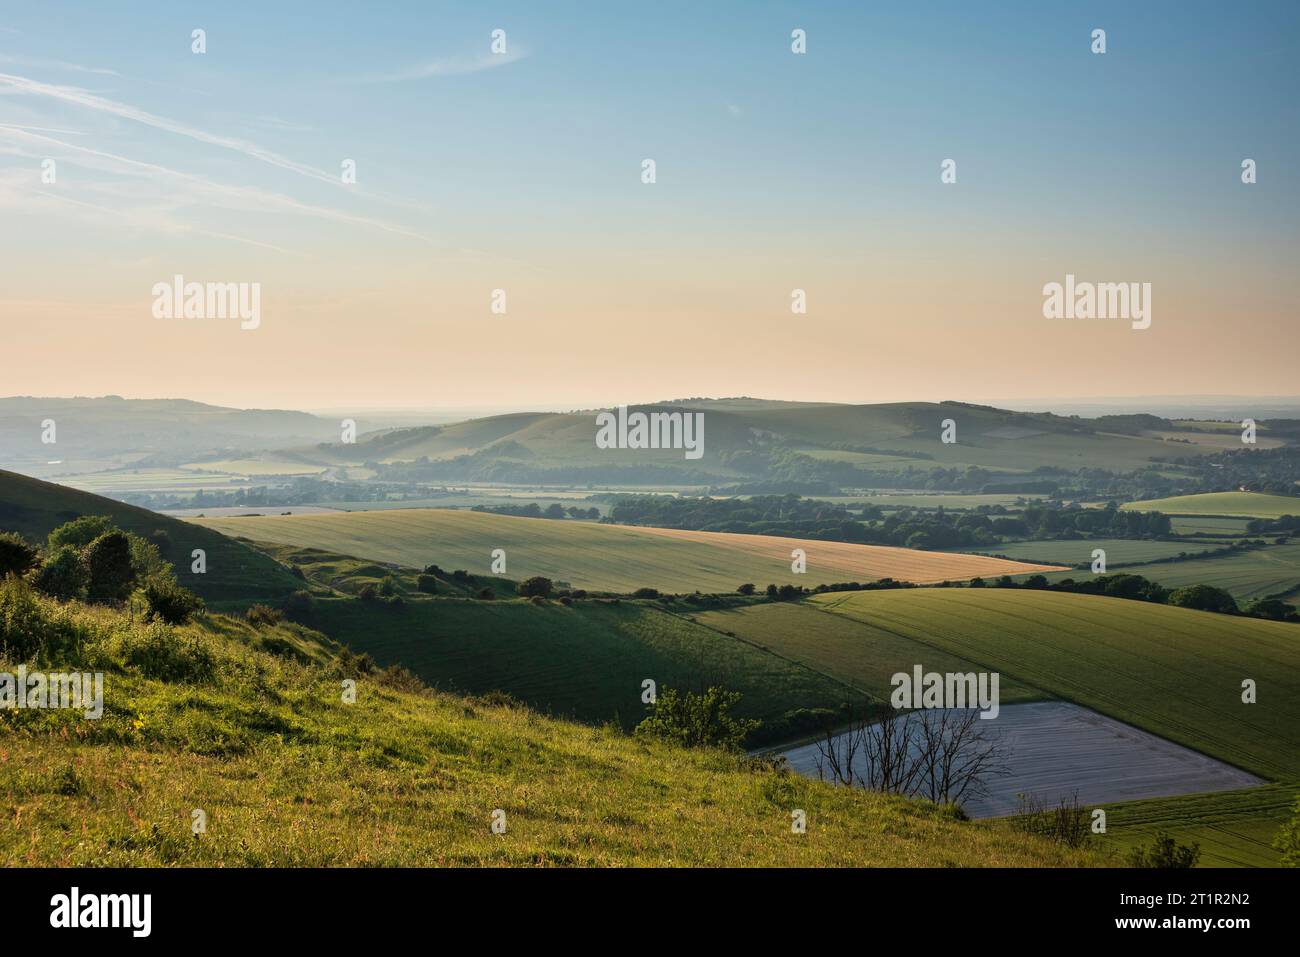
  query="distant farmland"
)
[
  {"x": 1243, "y": 504},
  {"x": 604, "y": 557}
]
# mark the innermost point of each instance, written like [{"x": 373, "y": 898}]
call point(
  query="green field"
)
[
  {"x": 836, "y": 646},
  {"x": 1172, "y": 671},
  {"x": 1247, "y": 575},
  {"x": 1119, "y": 551},
  {"x": 1208, "y": 525},
  {"x": 585, "y": 661},
  {"x": 599, "y": 557},
  {"x": 1232, "y": 504},
  {"x": 1233, "y": 828},
  {"x": 946, "y": 500}
]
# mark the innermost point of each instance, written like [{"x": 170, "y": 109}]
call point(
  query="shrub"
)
[
  {"x": 427, "y": 584},
  {"x": 538, "y": 600},
  {"x": 16, "y": 556},
  {"x": 578, "y": 593},
  {"x": 264, "y": 615},
  {"x": 168, "y": 601},
  {"x": 63, "y": 575},
  {"x": 299, "y": 606},
  {"x": 368, "y": 593},
  {"x": 157, "y": 651},
  {"x": 109, "y": 573},
  {"x": 387, "y": 587},
  {"x": 1204, "y": 598},
  {"x": 80, "y": 532},
  {"x": 1287, "y": 840},
  {"x": 746, "y": 589},
  {"x": 695, "y": 721},
  {"x": 566, "y": 600},
  {"x": 646, "y": 593},
  {"x": 536, "y": 586},
  {"x": 1165, "y": 852},
  {"x": 487, "y": 594}
]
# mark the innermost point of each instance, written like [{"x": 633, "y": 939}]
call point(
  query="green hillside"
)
[
  {"x": 249, "y": 726},
  {"x": 896, "y": 435},
  {"x": 1242, "y": 504},
  {"x": 236, "y": 574}
]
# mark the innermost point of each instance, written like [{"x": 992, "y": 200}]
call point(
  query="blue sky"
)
[{"x": 820, "y": 170}]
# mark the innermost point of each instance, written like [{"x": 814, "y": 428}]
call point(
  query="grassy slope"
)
[
  {"x": 1246, "y": 504},
  {"x": 1073, "y": 551},
  {"x": 1172, "y": 671},
  {"x": 235, "y": 574},
  {"x": 586, "y": 661},
  {"x": 289, "y": 775},
  {"x": 598, "y": 557}
]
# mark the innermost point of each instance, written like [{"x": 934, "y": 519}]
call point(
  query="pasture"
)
[{"x": 1230, "y": 504}]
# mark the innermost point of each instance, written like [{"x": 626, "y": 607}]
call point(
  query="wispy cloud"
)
[
  {"x": 450, "y": 66},
  {"x": 70, "y": 94},
  {"x": 206, "y": 190},
  {"x": 43, "y": 64}
]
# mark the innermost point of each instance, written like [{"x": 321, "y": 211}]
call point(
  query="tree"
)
[
  {"x": 697, "y": 720},
  {"x": 109, "y": 573},
  {"x": 16, "y": 556},
  {"x": 79, "y": 532},
  {"x": 746, "y": 589},
  {"x": 646, "y": 593},
  {"x": 535, "y": 587},
  {"x": 427, "y": 584},
  {"x": 1204, "y": 598},
  {"x": 1165, "y": 852},
  {"x": 63, "y": 574},
  {"x": 1288, "y": 839}
]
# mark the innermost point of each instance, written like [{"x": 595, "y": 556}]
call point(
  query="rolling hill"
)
[
  {"x": 1232, "y": 504},
  {"x": 602, "y": 557},
  {"x": 236, "y": 574},
  {"x": 286, "y": 773}
]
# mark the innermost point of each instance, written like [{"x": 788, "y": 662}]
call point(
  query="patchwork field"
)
[
  {"x": 1245, "y": 504},
  {"x": 603, "y": 557},
  {"x": 1246, "y": 575},
  {"x": 1171, "y": 671}
]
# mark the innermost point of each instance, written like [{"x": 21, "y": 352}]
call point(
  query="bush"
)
[
  {"x": 1204, "y": 598},
  {"x": 1287, "y": 841},
  {"x": 63, "y": 575},
  {"x": 16, "y": 556},
  {"x": 695, "y": 721},
  {"x": 578, "y": 593},
  {"x": 264, "y": 615},
  {"x": 368, "y": 593},
  {"x": 535, "y": 587},
  {"x": 1165, "y": 852},
  {"x": 299, "y": 606},
  {"x": 487, "y": 594},
  {"x": 646, "y": 593},
  {"x": 109, "y": 572},
  {"x": 538, "y": 600},
  {"x": 387, "y": 587},
  {"x": 746, "y": 589},
  {"x": 427, "y": 584},
  {"x": 168, "y": 601},
  {"x": 80, "y": 532}
]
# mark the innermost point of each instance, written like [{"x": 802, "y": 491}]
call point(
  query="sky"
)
[{"x": 522, "y": 171}]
